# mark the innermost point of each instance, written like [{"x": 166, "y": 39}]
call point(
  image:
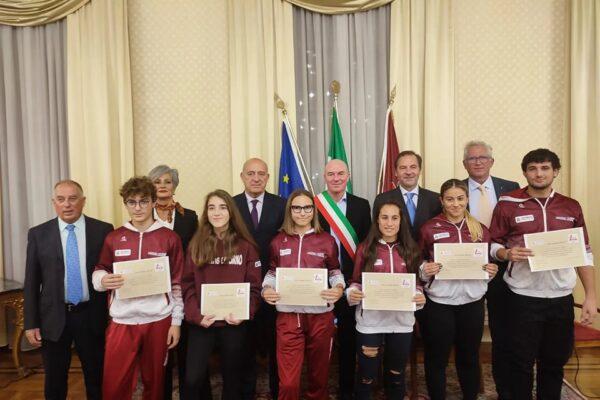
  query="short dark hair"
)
[
  {"x": 138, "y": 185},
  {"x": 540, "y": 156},
  {"x": 408, "y": 153}
]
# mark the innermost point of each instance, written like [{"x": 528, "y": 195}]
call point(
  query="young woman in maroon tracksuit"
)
[
  {"x": 302, "y": 244},
  {"x": 388, "y": 248},
  {"x": 454, "y": 313},
  {"x": 221, "y": 251}
]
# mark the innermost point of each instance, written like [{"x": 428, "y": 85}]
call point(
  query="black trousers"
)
[
  {"x": 56, "y": 356},
  {"x": 181, "y": 351},
  {"x": 260, "y": 340},
  {"x": 346, "y": 338},
  {"x": 542, "y": 333},
  {"x": 446, "y": 326},
  {"x": 201, "y": 342},
  {"x": 499, "y": 318},
  {"x": 396, "y": 349}
]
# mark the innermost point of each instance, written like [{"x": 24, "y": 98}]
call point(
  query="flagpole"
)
[
  {"x": 281, "y": 105},
  {"x": 387, "y": 118}
]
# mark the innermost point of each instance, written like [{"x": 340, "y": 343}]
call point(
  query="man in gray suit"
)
[{"x": 484, "y": 191}]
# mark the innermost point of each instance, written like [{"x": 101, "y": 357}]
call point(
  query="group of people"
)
[{"x": 70, "y": 283}]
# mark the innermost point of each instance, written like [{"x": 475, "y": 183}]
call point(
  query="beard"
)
[{"x": 540, "y": 186}]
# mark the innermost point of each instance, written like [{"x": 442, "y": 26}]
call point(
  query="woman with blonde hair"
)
[{"x": 454, "y": 312}]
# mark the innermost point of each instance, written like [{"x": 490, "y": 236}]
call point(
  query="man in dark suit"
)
[
  {"x": 263, "y": 214},
  {"x": 484, "y": 191},
  {"x": 418, "y": 204},
  {"x": 61, "y": 305},
  {"x": 358, "y": 214}
]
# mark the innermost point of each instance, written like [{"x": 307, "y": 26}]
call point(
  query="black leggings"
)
[
  {"x": 445, "y": 326},
  {"x": 395, "y": 348},
  {"x": 201, "y": 341}
]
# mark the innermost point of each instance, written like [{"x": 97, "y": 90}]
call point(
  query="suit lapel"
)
[
  {"x": 497, "y": 187},
  {"x": 422, "y": 204},
  {"x": 263, "y": 215},
  {"x": 56, "y": 242},
  {"x": 243, "y": 206}
]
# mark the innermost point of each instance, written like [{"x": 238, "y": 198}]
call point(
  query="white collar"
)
[
  {"x": 344, "y": 198},
  {"x": 260, "y": 198},
  {"x": 474, "y": 185},
  {"x": 415, "y": 191},
  {"x": 79, "y": 224}
]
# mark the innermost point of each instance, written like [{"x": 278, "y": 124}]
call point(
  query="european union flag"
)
[{"x": 290, "y": 174}]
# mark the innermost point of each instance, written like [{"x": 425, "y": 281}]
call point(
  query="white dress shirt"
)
[
  {"x": 475, "y": 195},
  {"x": 259, "y": 205},
  {"x": 415, "y": 197},
  {"x": 165, "y": 223},
  {"x": 81, "y": 246}
]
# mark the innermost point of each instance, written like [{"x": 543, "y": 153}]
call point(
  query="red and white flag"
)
[{"x": 387, "y": 178}]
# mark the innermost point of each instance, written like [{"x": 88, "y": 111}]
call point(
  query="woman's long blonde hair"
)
[{"x": 473, "y": 224}]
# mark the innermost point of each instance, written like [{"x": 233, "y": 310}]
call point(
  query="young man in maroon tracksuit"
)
[
  {"x": 541, "y": 303},
  {"x": 142, "y": 329}
]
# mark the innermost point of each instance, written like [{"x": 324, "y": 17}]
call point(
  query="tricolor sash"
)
[{"x": 338, "y": 222}]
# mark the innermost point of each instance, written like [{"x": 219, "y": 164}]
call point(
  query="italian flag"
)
[{"x": 336, "y": 144}]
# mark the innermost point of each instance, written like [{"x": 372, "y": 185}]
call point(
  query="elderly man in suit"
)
[
  {"x": 356, "y": 214},
  {"x": 61, "y": 305},
  {"x": 484, "y": 192},
  {"x": 263, "y": 214},
  {"x": 418, "y": 204}
]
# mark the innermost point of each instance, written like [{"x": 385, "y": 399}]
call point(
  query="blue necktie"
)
[
  {"x": 74, "y": 284},
  {"x": 410, "y": 206}
]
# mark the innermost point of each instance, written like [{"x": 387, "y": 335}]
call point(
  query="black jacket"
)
[
  {"x": 271, "y": 218},
  {"x": 44, "y": 290},
  {"x": 428, "y": 206},
  {"x": 185, "y": 226}
]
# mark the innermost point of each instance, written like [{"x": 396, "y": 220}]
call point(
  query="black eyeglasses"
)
[
  {"x": 299, "y": 209},
  {"x": 142, "y": 203}
]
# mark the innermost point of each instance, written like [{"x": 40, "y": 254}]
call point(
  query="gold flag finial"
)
[
  {"x": 280, "y": 104},
  {"x": 335, "y": 87},
  {"x": 392, "y": 96}
]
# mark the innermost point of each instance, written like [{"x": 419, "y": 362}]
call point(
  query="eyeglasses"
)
[
  {"x": 143, "y": 203},
  {"x": 299, "y": 209},
  {"x": 62, "y": 200},
  {"x": 481, "y": 159}
]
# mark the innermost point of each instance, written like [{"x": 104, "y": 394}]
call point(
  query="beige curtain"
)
[
  {"x": 422, "y": 69},
  {"x": 99, "y": 103},
  {"x": 36, "y": 12},
  {"x": 585, "y": 115},
  {"x": 261, "y": 62},
  {"x": 339, "y": 6}
]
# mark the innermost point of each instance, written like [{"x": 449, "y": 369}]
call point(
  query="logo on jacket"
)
[
  {"x": 570, "y": 219},
  {"x": 285, "y": 252},
  {"x": 441, "y": 235},
  {"x": 123, "y": 238},
  {"x": 521, "y": 205},
  {"x": 313, "y": 253},
  {"x": 524, "y": 218}
]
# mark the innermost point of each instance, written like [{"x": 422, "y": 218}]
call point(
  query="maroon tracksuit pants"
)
[
  {"x": 130, "y": 348},
  {"x": 297, "y": 334}
]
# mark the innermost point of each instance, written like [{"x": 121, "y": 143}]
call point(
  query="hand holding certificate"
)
[
  {"x": 301, "y": 286},
  {"x": 389, "y": 292},
  {"x": 223, "y": 299},
  {"x": 556, "y": 249},
  {"x": 461, "y": 260},
  {"x": 143, "y": 277}
]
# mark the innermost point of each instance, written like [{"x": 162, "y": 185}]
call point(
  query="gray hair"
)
[
  {"x": 162, "y": 169},
  {"x": 474, "y": 143}
]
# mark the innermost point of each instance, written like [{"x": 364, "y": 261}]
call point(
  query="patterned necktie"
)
[
  {"x": 74, "y": 284},
  {"x": 485, "y": 207},
  {"x": 410, "y": 206},
  {"x": 254, "y": 213}
]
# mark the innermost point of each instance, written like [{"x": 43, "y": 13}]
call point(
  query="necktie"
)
[
  {"x": 410, "y": 206},
  {"x": 74, "y": 284},
  {"x": 485, "y": 207},
  {"x": 254, "y": 213}
]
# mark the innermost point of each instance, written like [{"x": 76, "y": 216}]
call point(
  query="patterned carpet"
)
[{"x": 453, "y": 389}]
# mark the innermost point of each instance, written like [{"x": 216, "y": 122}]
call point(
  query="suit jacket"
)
[
  {"x": 501, "y": 186},
  {"x": 271, "y": 218},
  {"x": 358, "y": 212},
  {"x": 428, "y": 206},
  {"x": 185, "y": 226},
  {"x": 44, "y": 290}
]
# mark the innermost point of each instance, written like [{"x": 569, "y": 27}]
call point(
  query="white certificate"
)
[
  {"x": 222, "y": 299},
  {"x": 389, "y": 292},
  {"x": 301, "y": 286},
  {"x": 143, "y": 277},
  {"x": 461, "y": 260},
  {"x": 556, "y": 249}
]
